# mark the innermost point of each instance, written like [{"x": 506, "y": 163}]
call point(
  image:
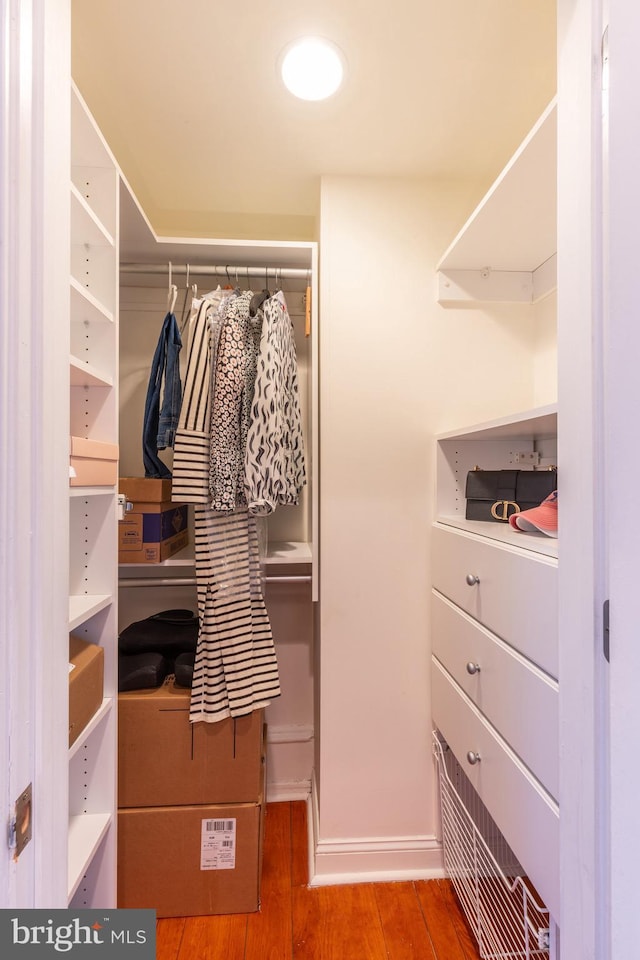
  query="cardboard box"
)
[
  {"x": 93, "y": 462},
  {"x": 86, "y": 684},
  {"x": 152, "y": 532},
  {"x": 145, "y": 489},
  {"x": 191, "y": 860},
  {"x": 165, "y": 760}
]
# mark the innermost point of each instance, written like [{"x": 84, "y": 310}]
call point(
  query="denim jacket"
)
[{"x": 160, "y": 423}]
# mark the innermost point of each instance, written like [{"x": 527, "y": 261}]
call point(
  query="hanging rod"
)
[
  {"x": 191, "y": 581},
  {"x": 228, "y": 270}
]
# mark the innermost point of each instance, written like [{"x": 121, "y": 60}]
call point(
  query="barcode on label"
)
[{"x": 214, "y": 826}]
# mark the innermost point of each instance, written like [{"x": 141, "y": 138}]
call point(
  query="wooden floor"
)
[{"x": 417, "y": 920}]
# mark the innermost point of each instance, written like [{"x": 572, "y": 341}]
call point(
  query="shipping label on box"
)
[
  {"x": 162, "y": 862},
  {"x": 218, "y": 844}
]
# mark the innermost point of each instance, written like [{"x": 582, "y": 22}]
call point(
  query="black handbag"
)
[
  {"x": 169, "y": 632},
  {"x": 495, "y": 494}
]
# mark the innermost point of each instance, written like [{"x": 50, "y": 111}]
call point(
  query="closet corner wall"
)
[{"x": 289, "y": 535}]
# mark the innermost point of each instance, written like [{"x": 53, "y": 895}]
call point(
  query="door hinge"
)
[{"x": 605, "y": 630}]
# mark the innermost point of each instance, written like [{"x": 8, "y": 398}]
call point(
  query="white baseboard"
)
[
  {"x": 289, "y": 762},
  {"x": 369, "y": 859},
  {"x": 279, "y": 792}
]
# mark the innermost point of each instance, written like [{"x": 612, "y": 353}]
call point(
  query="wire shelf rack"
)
[{"x": 501, "y": 907}]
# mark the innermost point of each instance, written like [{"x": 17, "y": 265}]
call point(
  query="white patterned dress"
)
[{"x": 274, "y": 467}]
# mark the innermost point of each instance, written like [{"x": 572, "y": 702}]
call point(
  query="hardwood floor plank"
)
[
  {"x": 269, "y": 931},
  {"x": 214, "y": 938},
  {"x": 169, "y": 937},
  {"x": 465, "y": 936},
  {"x": 442, "y": 931},
  {"x": 299, "y": 844},
  {"x": 276, "y": 864},
  {"x": 403, "y": 925},
  {"x": 337, "y": 923}
]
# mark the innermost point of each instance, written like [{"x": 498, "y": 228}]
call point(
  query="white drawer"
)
[
  {"x": 516, "y": 595},
  {"x": 517, "y": 698},
  {"x": 525, "y": 814}
]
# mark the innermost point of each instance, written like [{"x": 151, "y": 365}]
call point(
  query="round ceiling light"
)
[{"x": 312, "y": 68}]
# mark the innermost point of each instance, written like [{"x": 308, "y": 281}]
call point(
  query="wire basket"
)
[{"x": 501, "y": 906}]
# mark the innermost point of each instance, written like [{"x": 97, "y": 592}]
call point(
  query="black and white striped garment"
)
[
  {"x": 274, "y": 467},
  {"x": 192, "y": 443},
  {"x": 236, "y": 669}
]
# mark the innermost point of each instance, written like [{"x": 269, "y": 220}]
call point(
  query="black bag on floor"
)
[
  {"x": 142, "y": 671},
  {"x": 183, "y": 669},
  {"x": 169, "y": 632}
]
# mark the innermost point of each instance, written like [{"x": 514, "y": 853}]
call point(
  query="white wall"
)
[
  {"x": 395, "y": 367},
  {"x": 545, "y": 363}
]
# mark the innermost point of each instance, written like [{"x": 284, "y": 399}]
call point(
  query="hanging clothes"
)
[
  {"x": 160, "y": 423},
  {"x": 274, "y": 468},
  {"x": 235, "y": 375},
  {"x": 239, "y": 436},
  {"x": 235, "y": 669},
  {"x": 192, "y": 442}
]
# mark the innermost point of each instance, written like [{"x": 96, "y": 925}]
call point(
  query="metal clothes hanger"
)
[
  {"x": 172, "y": 294},
  {"x": 194, "y": 294},
  {"x": 259, "y": 298}
]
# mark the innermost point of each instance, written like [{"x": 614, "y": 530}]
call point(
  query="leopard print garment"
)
[{"x": 235, "y": 374}]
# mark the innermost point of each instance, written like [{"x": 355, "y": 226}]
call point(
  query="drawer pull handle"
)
[
  {"x": 473, "y": 668},
  {"x": 473, "y": 758},
  {"x": 472, "y": 579}
]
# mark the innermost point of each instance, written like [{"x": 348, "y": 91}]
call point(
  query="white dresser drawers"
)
[
  {"x": 517, "y": 698},
  {"x": 524, "y": 813},
  {"x": 515, "y": 594}
]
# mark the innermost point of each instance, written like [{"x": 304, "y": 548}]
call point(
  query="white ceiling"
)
[{"x": 187, "y": 95}]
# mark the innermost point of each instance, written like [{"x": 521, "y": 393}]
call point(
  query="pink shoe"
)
[{"x": 543, "y": 518}]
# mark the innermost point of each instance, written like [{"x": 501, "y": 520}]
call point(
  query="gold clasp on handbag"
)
[{"x": 500, "y": 509}]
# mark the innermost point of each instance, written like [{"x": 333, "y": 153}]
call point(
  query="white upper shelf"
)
[{"x": 514, "y": 226}]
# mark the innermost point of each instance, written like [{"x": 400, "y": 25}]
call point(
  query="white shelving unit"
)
[
  {"x": 506, "y": 251},
  {"x": 93, "y": 388},
  {"x": 494, "y": 684}
]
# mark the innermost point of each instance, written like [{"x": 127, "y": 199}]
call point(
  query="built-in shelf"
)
[
  {"x": 82, "y": 608},
  {"x": 85, "y": 375},
  {"x": 538, "y": 423},
  {"x": 86, "y": 307},
  {"x": 505, "y": 534},
  {"x": 105, "y": 708},
  {"x": 86, "y": 832},
  {"x": 494, "y": 445},
  {"x": 84, "y": 492},
  {"x": 506, "y": 249},
  {"x": 85, "y": 223},
  {"x": 183, "y": 563}
]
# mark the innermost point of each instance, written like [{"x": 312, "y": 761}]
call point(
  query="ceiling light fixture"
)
[{"x": 312, "y": 68}]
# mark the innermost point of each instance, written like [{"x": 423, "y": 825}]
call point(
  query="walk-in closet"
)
[{"x": 317, "y": 565}]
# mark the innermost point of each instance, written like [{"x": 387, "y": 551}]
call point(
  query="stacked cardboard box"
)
[
  {"x": 86, "y": 681},
  {"x": 155, "y": 528},
  {"x": 191, "y": 807}
]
